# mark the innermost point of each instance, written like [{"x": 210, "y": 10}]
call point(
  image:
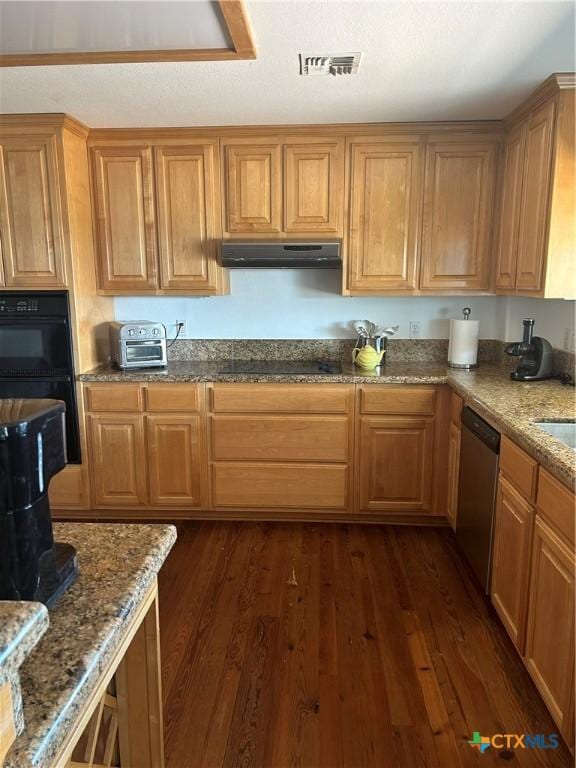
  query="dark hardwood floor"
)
[{"x": 335, "y": 645}]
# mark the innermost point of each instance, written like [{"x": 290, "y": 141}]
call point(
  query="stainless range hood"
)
[{"x": 280, "y": 255}]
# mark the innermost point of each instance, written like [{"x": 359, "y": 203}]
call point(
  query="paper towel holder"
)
[{"x": 468, "y": 365}]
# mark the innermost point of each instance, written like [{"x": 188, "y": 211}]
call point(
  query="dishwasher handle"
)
[{"x": 483, "y": 431}]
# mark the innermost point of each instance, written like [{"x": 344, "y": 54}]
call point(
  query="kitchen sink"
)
[{"x": 565, "y": 431}]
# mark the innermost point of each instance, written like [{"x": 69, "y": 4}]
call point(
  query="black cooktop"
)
[{"x": 280, "y": 367}]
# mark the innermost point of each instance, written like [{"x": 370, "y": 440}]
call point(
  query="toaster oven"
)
[{"x": 138, "y": 344}]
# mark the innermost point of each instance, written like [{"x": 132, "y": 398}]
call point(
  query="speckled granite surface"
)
[
  {"x": 22, "y": 624},
  {"x": 511, "y": 406},
  {"x": 118, "y": 563}
]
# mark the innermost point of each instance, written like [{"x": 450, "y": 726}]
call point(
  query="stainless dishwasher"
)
[{"x": 479, "y": 449}]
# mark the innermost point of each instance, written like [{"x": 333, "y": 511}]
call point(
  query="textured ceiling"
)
[{"x": 420, "y": 61}]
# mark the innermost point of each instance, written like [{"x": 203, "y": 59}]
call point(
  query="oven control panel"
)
[{"x": 18, "y": 305}]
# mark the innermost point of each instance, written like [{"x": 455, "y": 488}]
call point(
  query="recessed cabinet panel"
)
[
  {"x": 117, "y": 460},
  {"x": 395, "y": 464},
  {"x": 313, "y": 187},
  {"x": 510, "y": 202},
  {"x": 124, "y": 212},
  {"x": 384, "y": 217},
  {"x": 535, "y": 199},
  {"x": 253, "y": 188},
  {"x": 185, "y": 179},
  {"x": 549, "y": 651},
  {"x": 511, "y": 560},
  {"x": 174, "y": 460},
  {"x": 30, "y": 213},
  {"x": 457, "y": 226}
]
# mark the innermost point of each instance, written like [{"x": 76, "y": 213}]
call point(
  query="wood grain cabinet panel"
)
[
  {"x": 457, "y": 224},
  {"x": 401, "y": 401},
  {"x": 511, "y": 551},
  {"x": 117, "y": 460},
  {"x": 281, "y": 398},
  {"x": 510, "y": 204},
  {"x": 187, "y": 216},
  {"x": 174, "y": 460},
  {"x": 519, "y": 468},
  {"x": 385, "y": 217},
  {"x": 253, "y": 188},
  {"x": 549, "y": 653},
  {"x": 30, "y": 231},
  {"x": 455, "y": 435},
  {"x": 313, "y": 187},
  {"x": 124, "y": 218},
  {"x": 280, "y": 486},
  {"x": 280, "y": 438},
  {"x": 395, "y": 460},
  {"x": 533, "y": 228}
]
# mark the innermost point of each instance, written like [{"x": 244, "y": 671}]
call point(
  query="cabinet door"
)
[
  {"x": 533, "y": 230},
  {"x": 549, "y": 651},
  {"x": 30, "y": 213},
  {"x": 453, "y": 473},
  {"x": 124, "y": 219},
  {"x": 511, "y": 560},
  {"x": 384, "y": 217},
  {"x": 117, "y": 458},
  {"x": 314, "y": 187},
  {"x": 395, "y": 464},
  {"x": 253, "y": 188},
  {"x": 457, "y": 225},
  {"x": 174, "y": 460},
  {"x": 510, "y": 202},
  {"x": 187, "y": 228}
]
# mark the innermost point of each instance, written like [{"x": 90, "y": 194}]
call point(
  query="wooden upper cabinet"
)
[
  {"x": 457, "y": 225},
  {"x": 32, "y": 249},
  {"x": 187, "y": 216},
  {"x": 313, "y": 187},
  {"x": 253, "y": 188},
  {"x": 385, "y": 216},
  {"x": 533, "y": 228},
  {"x": 510, "y": 202},
  {"x": 124, "y": 218}
]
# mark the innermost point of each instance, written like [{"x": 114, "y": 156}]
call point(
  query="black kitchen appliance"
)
[
  {"x": 535, "y": 353},
  {"x": 32, "y": 451},
  {"x": 36, "y": 354}
]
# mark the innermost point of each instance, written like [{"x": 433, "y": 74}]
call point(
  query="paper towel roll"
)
[{"x": 463, "y": 346}]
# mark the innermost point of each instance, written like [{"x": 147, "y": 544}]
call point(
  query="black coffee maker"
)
[
  {"x": 32, "y": 451},
  {"x": 535, "y": 353}
]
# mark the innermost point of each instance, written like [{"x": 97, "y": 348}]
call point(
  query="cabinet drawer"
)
[
  {"x": 280, "y": 398},
  {"x": 104, "y": 398},
  {"x": 175, "y": 398},
  {"x": 556, "y": 503},
  {"x": 266, "y": 486},
  {"x": 280, "y": 438},
  {"x": 398, "y": 400},
  {"x": 519, "y": 468}
]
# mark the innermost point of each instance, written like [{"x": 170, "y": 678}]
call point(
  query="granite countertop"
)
[
  {"x": 510, "y": 406},
  {"x": 22, "y": 624},
  {"x": 118, "y": 564}
]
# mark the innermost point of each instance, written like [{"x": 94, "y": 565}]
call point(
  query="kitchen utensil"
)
[{"x": 367, "y": 357}]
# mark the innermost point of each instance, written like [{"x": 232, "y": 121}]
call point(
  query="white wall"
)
[
  {"x": 552, "y": 318},
  {"x": 301, "y": 304},
  {"x": 306, "y": 304}
]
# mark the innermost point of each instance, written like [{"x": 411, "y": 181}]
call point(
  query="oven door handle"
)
[{"x": 37, "y": 320}]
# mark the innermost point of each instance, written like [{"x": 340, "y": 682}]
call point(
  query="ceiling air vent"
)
[{"x": 330, "y": 64}]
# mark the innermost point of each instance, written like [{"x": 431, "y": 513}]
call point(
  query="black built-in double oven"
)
[{"x": 36, "y": 359}]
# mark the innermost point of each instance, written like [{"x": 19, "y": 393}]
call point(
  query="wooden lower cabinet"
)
[
  {"x": 453, "y": 473},
  {"x": 117, "y": 459},
  {"x": 549, "y": 653},
  {"x": 175, "y": 460},
  {"x": 394, "y": 467},
  {"x": 511, "y": 551}
]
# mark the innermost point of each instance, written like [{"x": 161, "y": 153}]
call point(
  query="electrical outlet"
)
[
  {"x": 415, "y": 329},
  {"x": 569, "y": 339},
  {"x": 183, "y": 329}
]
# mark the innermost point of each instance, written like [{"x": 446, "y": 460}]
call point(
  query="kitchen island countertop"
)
[
  {"x": 511, "y": 406},
  {"x": 118, "y": 564}
]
